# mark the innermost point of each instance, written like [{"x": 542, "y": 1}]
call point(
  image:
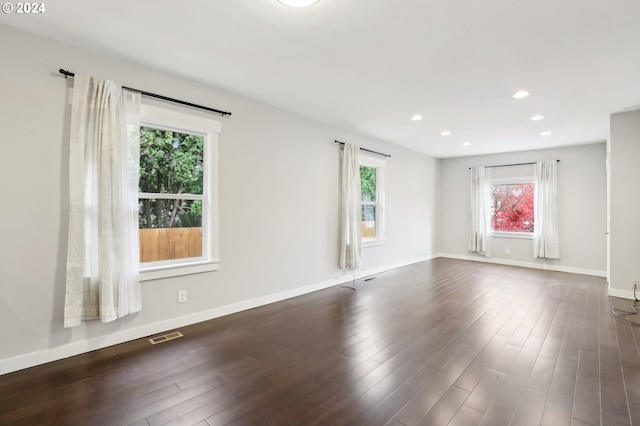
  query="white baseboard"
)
[
  {"x": 32, "y": 359},
  {"x": 543, "y": 266},
  {"x": 349, "y": 275},
  {"x": 625, "y": 294}
]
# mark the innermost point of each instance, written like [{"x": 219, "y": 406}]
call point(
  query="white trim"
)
[
  {"x": 209, "y": 129},
  {"x": 170, "y": 119},
  {"x": 166, "y": 196},
  {"x": 348, "y": 274},
  {"x": 625, "y": 294},
  {"x": 516, "y": 235},
  {"x": 372, "y": 242},
  {"x": 41, "y": 357},
  {"x": 173, "y": 270},
  {"x": 542, "y": 266},
  {"x": 513, "y": 180},
  {"x": 371, "y": 161}
]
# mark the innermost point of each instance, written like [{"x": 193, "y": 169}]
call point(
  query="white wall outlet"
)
[
  {"x": 182, "y": 296},
  {"x": 507, "y": 252}
]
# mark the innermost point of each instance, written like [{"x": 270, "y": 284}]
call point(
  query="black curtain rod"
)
[
  {"x": 164, "y": 98},
  {"x": 514, "y": 164},
  {"x": 368, "y": 150}
]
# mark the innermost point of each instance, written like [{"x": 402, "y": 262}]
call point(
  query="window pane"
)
[
  {"x": 170, "y": 229},
  {"x": 512, "y": 207},
  {"x": 368, "y": 183},
  {"x": 170, "y": 162},
  {"x": 368, "y": 221},
  {"x": 166, "y": 213}
]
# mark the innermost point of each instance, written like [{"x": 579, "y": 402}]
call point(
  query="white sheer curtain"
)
[
  {"x": 546, "y": 242},
  {"x": 103, "y": 252},
  {"x": 350, "y": 209},
  {"x": 479, "y": 226}
]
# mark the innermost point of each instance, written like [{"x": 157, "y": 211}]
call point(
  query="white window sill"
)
[
  {"x": 517, "y": 235},
  {"x": 174, "y": 270},
  {"x": 372, "y": 243}
]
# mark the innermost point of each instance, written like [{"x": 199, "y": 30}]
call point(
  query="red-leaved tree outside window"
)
[{"x": 512, "y": 207}]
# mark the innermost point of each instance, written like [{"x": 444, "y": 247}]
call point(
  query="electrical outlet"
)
[
  {"x": 507, "y": 252},
  {"x": 636, "y": 284},
  {"x": 182, "y": 296}
]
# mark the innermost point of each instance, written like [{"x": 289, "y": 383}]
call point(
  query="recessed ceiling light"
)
[
  {"x": 537, "y": 118},
  {"x": 520, "y": 94},
  {"x": 445, "y": 133},
  {"x": 466, "y": 143},
  {"x": 416, "y": 117},
  {"x": 298, "y": 3},
  {"x": 545, "y": 133}
]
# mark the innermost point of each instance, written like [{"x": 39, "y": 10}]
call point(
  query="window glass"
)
[
  {"x": 512, "y": 207},
  {"x": 372, "y": 201},
  {"x": 171, "y": 164},
  {"x": 368, "y": 221},
  {"x": 368, "y": 182}
]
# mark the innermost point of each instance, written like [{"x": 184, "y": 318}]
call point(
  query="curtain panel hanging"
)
[
  {"x": 103, "y": 247},
  {"x": 479, "y": 241},
  {"x": 546, "y": 241},
  {"x": 350, "y": 209}
]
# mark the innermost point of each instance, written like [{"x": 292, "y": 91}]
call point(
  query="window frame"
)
[
  {"x": 182, "y": 121},
  {"x": 510, "y": 181},
  {"x": 380, "y": 165}
]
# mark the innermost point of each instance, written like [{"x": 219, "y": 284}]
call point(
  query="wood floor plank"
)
[
  {"x": 613, "y": 399},
  {"x": 505, "y": 359},
  {"x": 586, "y": 402},
  {"x": 523, "y": 365},
  {"x": 542, "y": 374},
  {"x": 446, "y": 407},
  {"x": 431, "y": 393},
  {"x": 388, "y": 407},
  {"x": 483, "y": 394},
  {"x": 502, "y": 408},
  {"x": 356, "y": 407},
  {"x": 481, "y": 363},
  {"x": 137, "y": 410},
  {"x": 466, "y": 416},
  {"x": 530, "y": 409}
]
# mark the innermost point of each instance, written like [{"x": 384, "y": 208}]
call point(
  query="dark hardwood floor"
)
[{"x": 443, "y": 342}]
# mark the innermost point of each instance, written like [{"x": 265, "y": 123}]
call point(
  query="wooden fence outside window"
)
[{"x": 169, "y": 243}]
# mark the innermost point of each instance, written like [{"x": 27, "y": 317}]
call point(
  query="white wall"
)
[
  {"x": 278, "y": 205},
  {"x": 624, "y": 210},
  {"x": 581, "y": 205}
]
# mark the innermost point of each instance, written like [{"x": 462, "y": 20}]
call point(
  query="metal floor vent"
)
[
  {"x": 165, "y": 337},
  {"x": 369, "y": 279}
]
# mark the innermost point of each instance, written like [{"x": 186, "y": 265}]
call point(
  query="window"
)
[
  {"x": 372, "y": 190},
  {"x": 177, "y": 193},
  {"x": 512, "y": 208}
]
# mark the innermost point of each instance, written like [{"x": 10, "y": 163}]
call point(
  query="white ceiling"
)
[{"x": 369, "y": 65}]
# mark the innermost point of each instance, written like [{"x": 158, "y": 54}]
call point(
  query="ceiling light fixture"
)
[
  {"x": 466, "y": 143},
  {"x": 416, "y": 117},
  {"x": 545, "y": 133},
  {"x": 445, "y": 133},
  {"x": 298, "y": 3},
  {"x": 520, "y": 94},
  {"x": 537, "y": 118}
]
